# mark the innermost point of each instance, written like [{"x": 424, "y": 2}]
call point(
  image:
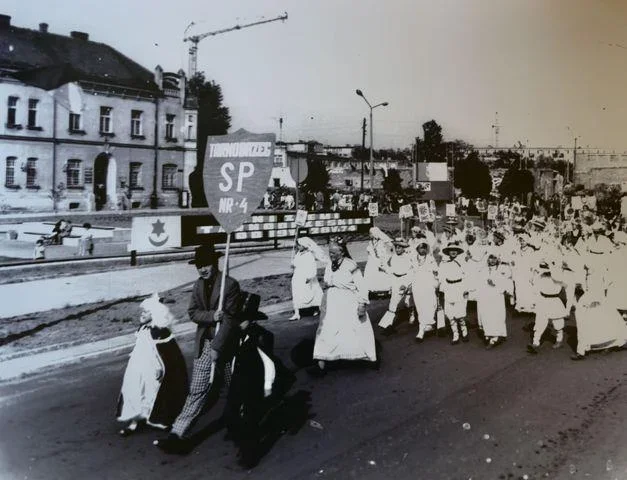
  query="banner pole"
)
[{"x": 220, "y": 300}]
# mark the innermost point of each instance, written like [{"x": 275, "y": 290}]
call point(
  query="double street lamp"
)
[{"x": 372, "y": 107}]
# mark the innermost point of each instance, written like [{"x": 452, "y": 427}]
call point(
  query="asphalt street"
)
[{"x": 433, "y": 411}]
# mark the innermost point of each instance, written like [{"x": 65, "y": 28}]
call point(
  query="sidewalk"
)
[
  {"x": 42, "y": 295},
  {"x": 29, "y": 362}
]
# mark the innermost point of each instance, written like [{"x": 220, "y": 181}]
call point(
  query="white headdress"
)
[
  {"x": 161, "y": 315},
  {"x": 314, "y": 248}
]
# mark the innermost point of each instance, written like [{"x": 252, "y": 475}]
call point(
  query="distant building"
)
[
  {"x": 594, "y": 167},
  {"x": 119, "y": 136}
]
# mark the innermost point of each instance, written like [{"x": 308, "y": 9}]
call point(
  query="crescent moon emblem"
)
[{"x": 157, "y": 243}]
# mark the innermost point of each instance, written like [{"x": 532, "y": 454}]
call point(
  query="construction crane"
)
[{"x": 195, "y": 39}]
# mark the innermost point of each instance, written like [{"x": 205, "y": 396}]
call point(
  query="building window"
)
[
  {"x": 89, "y": 175},
  {"x": 105, "y": 120},
  {"x": 137, "y": 129},
  {"x": 32, "y": 112},
  {"x": 191, "y": 128},
  {"x": 73, "y": 173},
  {"x": 168, "y": 179},
  {"x": 75, "y": 122},
  {"x": 10, "y": 172},
  {"x": 31, "y": 172},
  {"x": 169, "y": 126},
  {"x": 135, "y": 175},
  {"x": 12, "y": 112}
]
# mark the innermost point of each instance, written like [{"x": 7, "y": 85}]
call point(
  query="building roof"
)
[{"x": 24, "y": 49}]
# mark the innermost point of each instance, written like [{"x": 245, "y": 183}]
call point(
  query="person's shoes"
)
[
  {"x": 455, "y": 341},
  {"x": 465, "y": 338},
  {"x": 558, "y": 345},
  {"x": 295, "y": 317},
  {"x": 316, "y": 371},
  {"x": 172, "y": 444},
  {"x": 577, "y": 356},
  {"x": 531, "y": 348},
  {"x": 387, "y": 331},
  {"x": 419, "y": 339}
]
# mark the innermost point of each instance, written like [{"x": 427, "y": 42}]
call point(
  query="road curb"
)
[{"x": 21, "y": 364}]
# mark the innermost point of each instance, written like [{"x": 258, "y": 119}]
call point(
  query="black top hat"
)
[
  {"x": 205, "y": 255},
  {"x": 249, "y": 307}
]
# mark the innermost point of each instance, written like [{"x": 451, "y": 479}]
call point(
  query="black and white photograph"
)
[{"x": 333, "y": 239}]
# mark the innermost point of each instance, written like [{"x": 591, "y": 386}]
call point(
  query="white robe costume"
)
[
  {"x": 342, "y": 334},
  {"x": 599, "y": 325},
  {"x": 398, "y": 270},
  {"x": 375, "y": 276},
  {"x": 522, "y": 275},
  {"x": 491, "y": 300},
  {"x": 424, "y": 283},
  {"x": 306, "y": 290}
]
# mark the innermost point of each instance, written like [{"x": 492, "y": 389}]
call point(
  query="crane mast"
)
[{"x": 195, "y": 39}]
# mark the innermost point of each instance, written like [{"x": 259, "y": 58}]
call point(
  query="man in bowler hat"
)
[{"x": 211, "y": 347}]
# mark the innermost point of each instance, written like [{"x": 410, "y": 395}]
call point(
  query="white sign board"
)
[
  {"x": 576, "y": 203},
  {"x": 373, "y": 209},
  {"x": 493, "y": 210},
  {"x": 423, "y": 212},
  {"x": 405, "y": 211},
  {"x": 433, "y": 172},
  {"x": 450, "y": 209},
  {"x": 301, "y": 218},
  {"x": 154, "y": 233}
]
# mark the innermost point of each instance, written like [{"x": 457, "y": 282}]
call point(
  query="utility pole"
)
[
  {"x": 574, "y": 159},
  {"x": 496, "y": 128},
  {"x": 363, "y": 149}
]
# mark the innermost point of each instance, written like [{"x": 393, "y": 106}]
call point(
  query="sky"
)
[{"x": 552, "y": 69}]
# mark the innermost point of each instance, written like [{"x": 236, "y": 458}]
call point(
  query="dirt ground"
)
[{"x": 97, "y": 321}]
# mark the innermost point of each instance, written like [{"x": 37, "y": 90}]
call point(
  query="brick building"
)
[{"x": 117, "y": 136}]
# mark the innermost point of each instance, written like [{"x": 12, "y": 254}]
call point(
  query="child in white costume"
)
[
  {"x": 424, "y": 282},
  {"x": 155, "y": 381},
  {"x": 452, "y": 278}
]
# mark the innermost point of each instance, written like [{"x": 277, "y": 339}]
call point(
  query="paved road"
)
[{"x": 433, "y": 411}]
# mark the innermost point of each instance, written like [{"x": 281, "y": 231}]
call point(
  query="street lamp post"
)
[{"x": 372, "y": 107}]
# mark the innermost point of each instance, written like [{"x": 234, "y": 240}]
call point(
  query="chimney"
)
[
  {"x": 43, "y": 27},
  {"x": 5, "y": 21},
  {"x": 80, "y": 35}
]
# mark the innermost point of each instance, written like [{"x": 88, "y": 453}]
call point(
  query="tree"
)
[
  {"x": 213, "y": 119},
  {"x": 608, "y": 199},
  {"x": 516, "y": 183},
  {"x": 430, "y": 147},
  {"x": 473, "y": 177},
  {"x": 392, "y": 182},
  {"x": 317, "y": 177}
]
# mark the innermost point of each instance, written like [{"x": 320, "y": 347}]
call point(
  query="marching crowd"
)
[{"x": 544, "y": 268}]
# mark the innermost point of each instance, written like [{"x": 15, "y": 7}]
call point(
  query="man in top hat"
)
[
  {"x": 214, "y": 347},
  {"x": 452, "y": 278},
  {"x": 398, "y": 269}
]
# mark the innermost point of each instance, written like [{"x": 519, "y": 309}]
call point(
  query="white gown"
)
[
  {"x": 376, "y": 279},
  {"x": 306, "y": 290},
  {"x": 491, "y": 300},
  {"x": 342, "y": 334}
]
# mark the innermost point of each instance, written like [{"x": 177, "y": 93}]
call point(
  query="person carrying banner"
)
[
  {"x": 212, "y": 350},
  {"x": 379, "y": 250}
]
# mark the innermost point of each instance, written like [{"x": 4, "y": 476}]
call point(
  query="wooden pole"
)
[{"x": 221, "y": 299}]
